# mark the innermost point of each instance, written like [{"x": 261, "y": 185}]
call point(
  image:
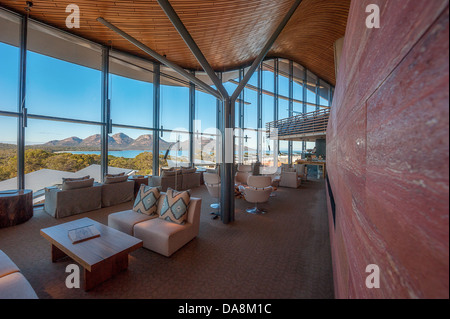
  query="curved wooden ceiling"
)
[{"x": 230, "y": 33}]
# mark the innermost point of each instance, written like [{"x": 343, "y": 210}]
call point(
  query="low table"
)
[{"x": 101, "y": 257}]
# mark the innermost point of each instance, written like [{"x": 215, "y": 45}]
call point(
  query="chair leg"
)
[
  {"x": 255, "y": 210},
  {"x": 215, "y": 213}
]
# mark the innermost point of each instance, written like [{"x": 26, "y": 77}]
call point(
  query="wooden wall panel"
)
[{"x": 388, "y": 152}]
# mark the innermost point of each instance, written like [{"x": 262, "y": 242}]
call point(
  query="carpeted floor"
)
[{"x": 284, "y": 254}]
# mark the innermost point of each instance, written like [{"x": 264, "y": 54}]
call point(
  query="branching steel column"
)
[
  {"x": 184, "y": 33},
  {"x": 22, "y": 119},
  {"x": 265, "y": 50},
  {"x": 161, "y": 59}
]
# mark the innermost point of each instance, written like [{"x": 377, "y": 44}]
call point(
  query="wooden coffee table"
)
[{"x": 101, "y": 257}]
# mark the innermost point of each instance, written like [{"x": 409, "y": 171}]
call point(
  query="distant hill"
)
[{"x": 118, "y": 141}]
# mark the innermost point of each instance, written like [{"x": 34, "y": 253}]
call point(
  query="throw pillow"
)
[
  {"x": 64, "y": 179},
  {"x": 115, "y": 179},
  {"x": 175, "y": 206},
  {"x": 68, "y": 185},
  {"x": 146, "y": 201},
  {"x": 115, "y": 175}
]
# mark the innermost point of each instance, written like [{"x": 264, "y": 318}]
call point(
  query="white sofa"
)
[
  {"x": 157, "y": 234},
  {"x": 13, "y": 285}
]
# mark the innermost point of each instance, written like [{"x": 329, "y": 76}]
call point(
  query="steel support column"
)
[
  {"x": 188, "y": 76},
  {"x": 227, "y": 166},
  {"x": 184, "y": 33},
  {"x": 259, "y": 150},
  {"x": 22, "y": 110},
  {"x": 106, "y": 113},
  {"x": 191, "y": 121},
  {"x": 291, "y": 105},
  {"x": 156, "y": 119}
]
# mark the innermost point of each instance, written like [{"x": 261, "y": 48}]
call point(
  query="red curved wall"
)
[{"x": 388, "y": 152}]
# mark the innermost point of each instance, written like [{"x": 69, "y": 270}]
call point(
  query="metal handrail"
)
[{"x": 307, "y": 123}]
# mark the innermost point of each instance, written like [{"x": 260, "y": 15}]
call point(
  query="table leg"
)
[
  {"x": 105, "y": 270},
  {"x": 57, "y": 254}
]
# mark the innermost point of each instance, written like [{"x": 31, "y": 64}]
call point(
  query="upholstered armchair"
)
[
  {"x": 289, "y": 178},
  {"x": 190, "y": 178},
  {"x": 258, "y": 191},
  {"x": 169, "y": 178},
  {"x": 242, "y": 174}
]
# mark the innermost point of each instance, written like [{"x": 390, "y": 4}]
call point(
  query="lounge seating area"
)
[
  {"x": 202, "y": 244},
  {"x": 80, "y": 195}
]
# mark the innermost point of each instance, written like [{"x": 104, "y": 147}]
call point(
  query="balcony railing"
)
[{"x": 303, "y": 125}]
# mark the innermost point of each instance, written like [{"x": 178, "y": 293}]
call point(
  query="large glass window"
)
[
  {"x": 8, "y": 153},
  {"x": 131, "y": 101},
  {"x": 63, "y": 76},
  {"x": 56, "y": 150},
  {"x": 9, "y": 61},
  {"x": 174, "y": 104},
  {"x": 9, "y": 88}
]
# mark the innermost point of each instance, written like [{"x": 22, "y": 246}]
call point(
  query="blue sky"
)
[{"x": 61, "y": 89}]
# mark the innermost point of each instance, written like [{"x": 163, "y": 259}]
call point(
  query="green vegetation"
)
[{"x": 36, "y": 159}]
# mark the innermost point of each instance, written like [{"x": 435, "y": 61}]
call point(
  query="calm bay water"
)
[{"x": 134, "y": 153}]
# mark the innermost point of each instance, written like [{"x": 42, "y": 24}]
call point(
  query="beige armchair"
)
[
  {"x": 289, "y": 178},
  {"x": 212, "y": 182},
  {"x": 166, "y": 237},
  {"x": 258, "y": 191},
  {"x": 190, "y": 178},
  {"x": 168, "y": 178},
  {"x": 242, "y": 174}
]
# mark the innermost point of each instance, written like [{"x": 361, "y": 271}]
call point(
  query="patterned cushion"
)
[
  {"x": 175, "y": 206},
  {"x": 146, "y": 201}
]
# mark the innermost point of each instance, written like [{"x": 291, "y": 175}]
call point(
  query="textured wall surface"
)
[{"x": 388, "y": 152}]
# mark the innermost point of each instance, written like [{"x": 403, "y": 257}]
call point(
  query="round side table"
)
[
  {"x": 16, "y": 207},
  {"x": 138, "y": 181}
]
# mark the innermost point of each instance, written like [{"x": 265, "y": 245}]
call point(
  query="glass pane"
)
[
  {"x": 9, "y": 77},
  {"x": 251, "y": 107},
  {"x": 205, "y": 112},
  {"x": 130, "y": 150},
  {"x": 174, "y": 104},
  {"x": 205, "y": 150},
  {"x": 296, "y": 151},
  {"x": 58, "y": 149},
  {"x": 268, "y": 83},
  {"x": 63, "y": 76},
  {"x": 9, "y": 62},
  {"x": 283, "y": 153},
  {"x": 131, "y": 101},
  {"x": 174, "y": 148},
  {"x": 8, "y": 153}
]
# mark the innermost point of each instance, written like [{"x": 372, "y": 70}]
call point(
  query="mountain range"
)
[{"x": 120, "y": 141}]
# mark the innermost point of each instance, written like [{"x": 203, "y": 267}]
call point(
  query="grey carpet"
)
[{"x": 284, "y": 254}]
